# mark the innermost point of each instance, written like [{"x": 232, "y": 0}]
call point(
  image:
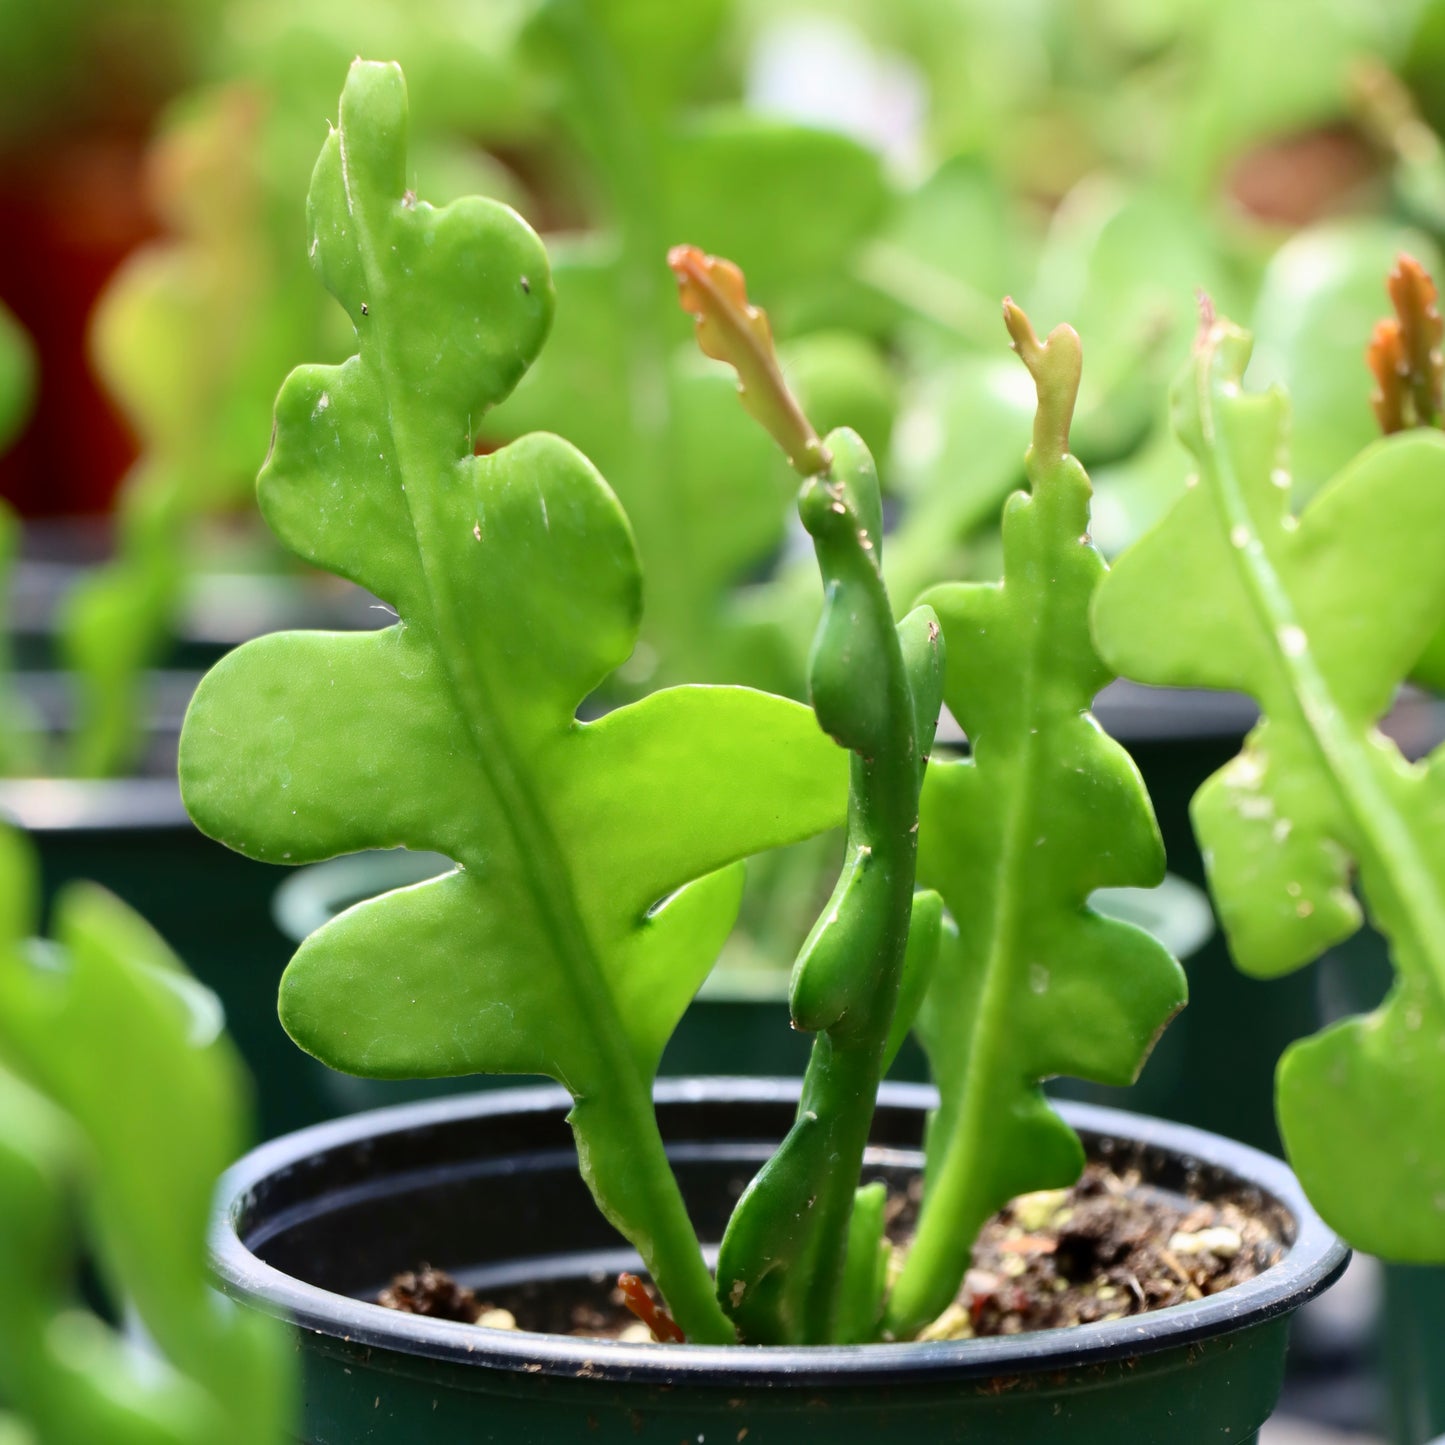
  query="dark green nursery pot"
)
[
  {"x": 1414, "y": 1351},
  {"x": 309, "y": 1227}
]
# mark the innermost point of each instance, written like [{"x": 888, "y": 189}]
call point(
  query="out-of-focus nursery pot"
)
[
  {"x": 133, "y": 836},
  {"x": 739, "y": 1023},
  {"x": 224, "y": 604},
  {"x": 309, "y": 1227}
]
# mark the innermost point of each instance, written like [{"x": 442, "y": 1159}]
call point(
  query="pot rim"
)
[
  {"x": 1313, "y": 1261},
  {"x": 78, "y": 805}
]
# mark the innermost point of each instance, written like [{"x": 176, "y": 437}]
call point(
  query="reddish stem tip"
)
[{"x": 638, "y": 1298}]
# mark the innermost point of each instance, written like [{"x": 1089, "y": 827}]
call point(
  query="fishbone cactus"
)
[
  {"x": 1016, "y": 838},
  {"x": 1319, "y": 617},
  {"x": 593, "y": 886}
]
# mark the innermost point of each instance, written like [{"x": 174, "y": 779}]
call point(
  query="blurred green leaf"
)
[
  {"x": 1318, "y": 617},
  {"x": 121, "y": 1101},
  {"x": 1125, "y": 264},
  {"x": 1316, "y": 309}
]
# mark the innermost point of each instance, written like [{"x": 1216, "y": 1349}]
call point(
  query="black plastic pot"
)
[{"x": 310, "y": 1226}]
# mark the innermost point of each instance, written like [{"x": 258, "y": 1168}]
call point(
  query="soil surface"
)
[{"x": 1110, "y": 1246}]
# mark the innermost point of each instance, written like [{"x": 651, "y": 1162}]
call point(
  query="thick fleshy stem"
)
[{"x": 876, "y": 689}]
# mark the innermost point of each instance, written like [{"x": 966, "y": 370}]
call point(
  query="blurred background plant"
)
[
  {"x": 883, "y": 172},
  {"x": 121, "y": 1100}
]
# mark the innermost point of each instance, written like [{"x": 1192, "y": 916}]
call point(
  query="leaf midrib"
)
[
  {"x": 617, "y": 1083},
  {"x": 494, "y": 752},
  {"x": 1377, "y": 821}
]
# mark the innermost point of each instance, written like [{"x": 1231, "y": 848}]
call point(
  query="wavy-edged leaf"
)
[
  {"x": 1330, "y": 609},
  {"x": 584, "y": 912},
  {"x": 1015, "y": 839}
]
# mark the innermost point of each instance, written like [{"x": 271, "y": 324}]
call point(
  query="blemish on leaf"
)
[{"x": 1293, "y": 641}]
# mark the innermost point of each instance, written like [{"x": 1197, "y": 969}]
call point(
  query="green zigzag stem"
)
[
  {"x": 671, "y": 1250},
  {"x": 1383, "y": 835},
  {"x": 948, "y": 1222}
]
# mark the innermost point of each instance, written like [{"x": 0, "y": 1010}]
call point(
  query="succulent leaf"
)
[
  {"x": 593, "y": 886},
  {"x": 1319, "y": 616},
  {"x": 1015, "y": 839}
]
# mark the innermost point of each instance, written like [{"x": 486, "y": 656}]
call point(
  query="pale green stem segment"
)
[{"x": 1015, "y": 838}]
